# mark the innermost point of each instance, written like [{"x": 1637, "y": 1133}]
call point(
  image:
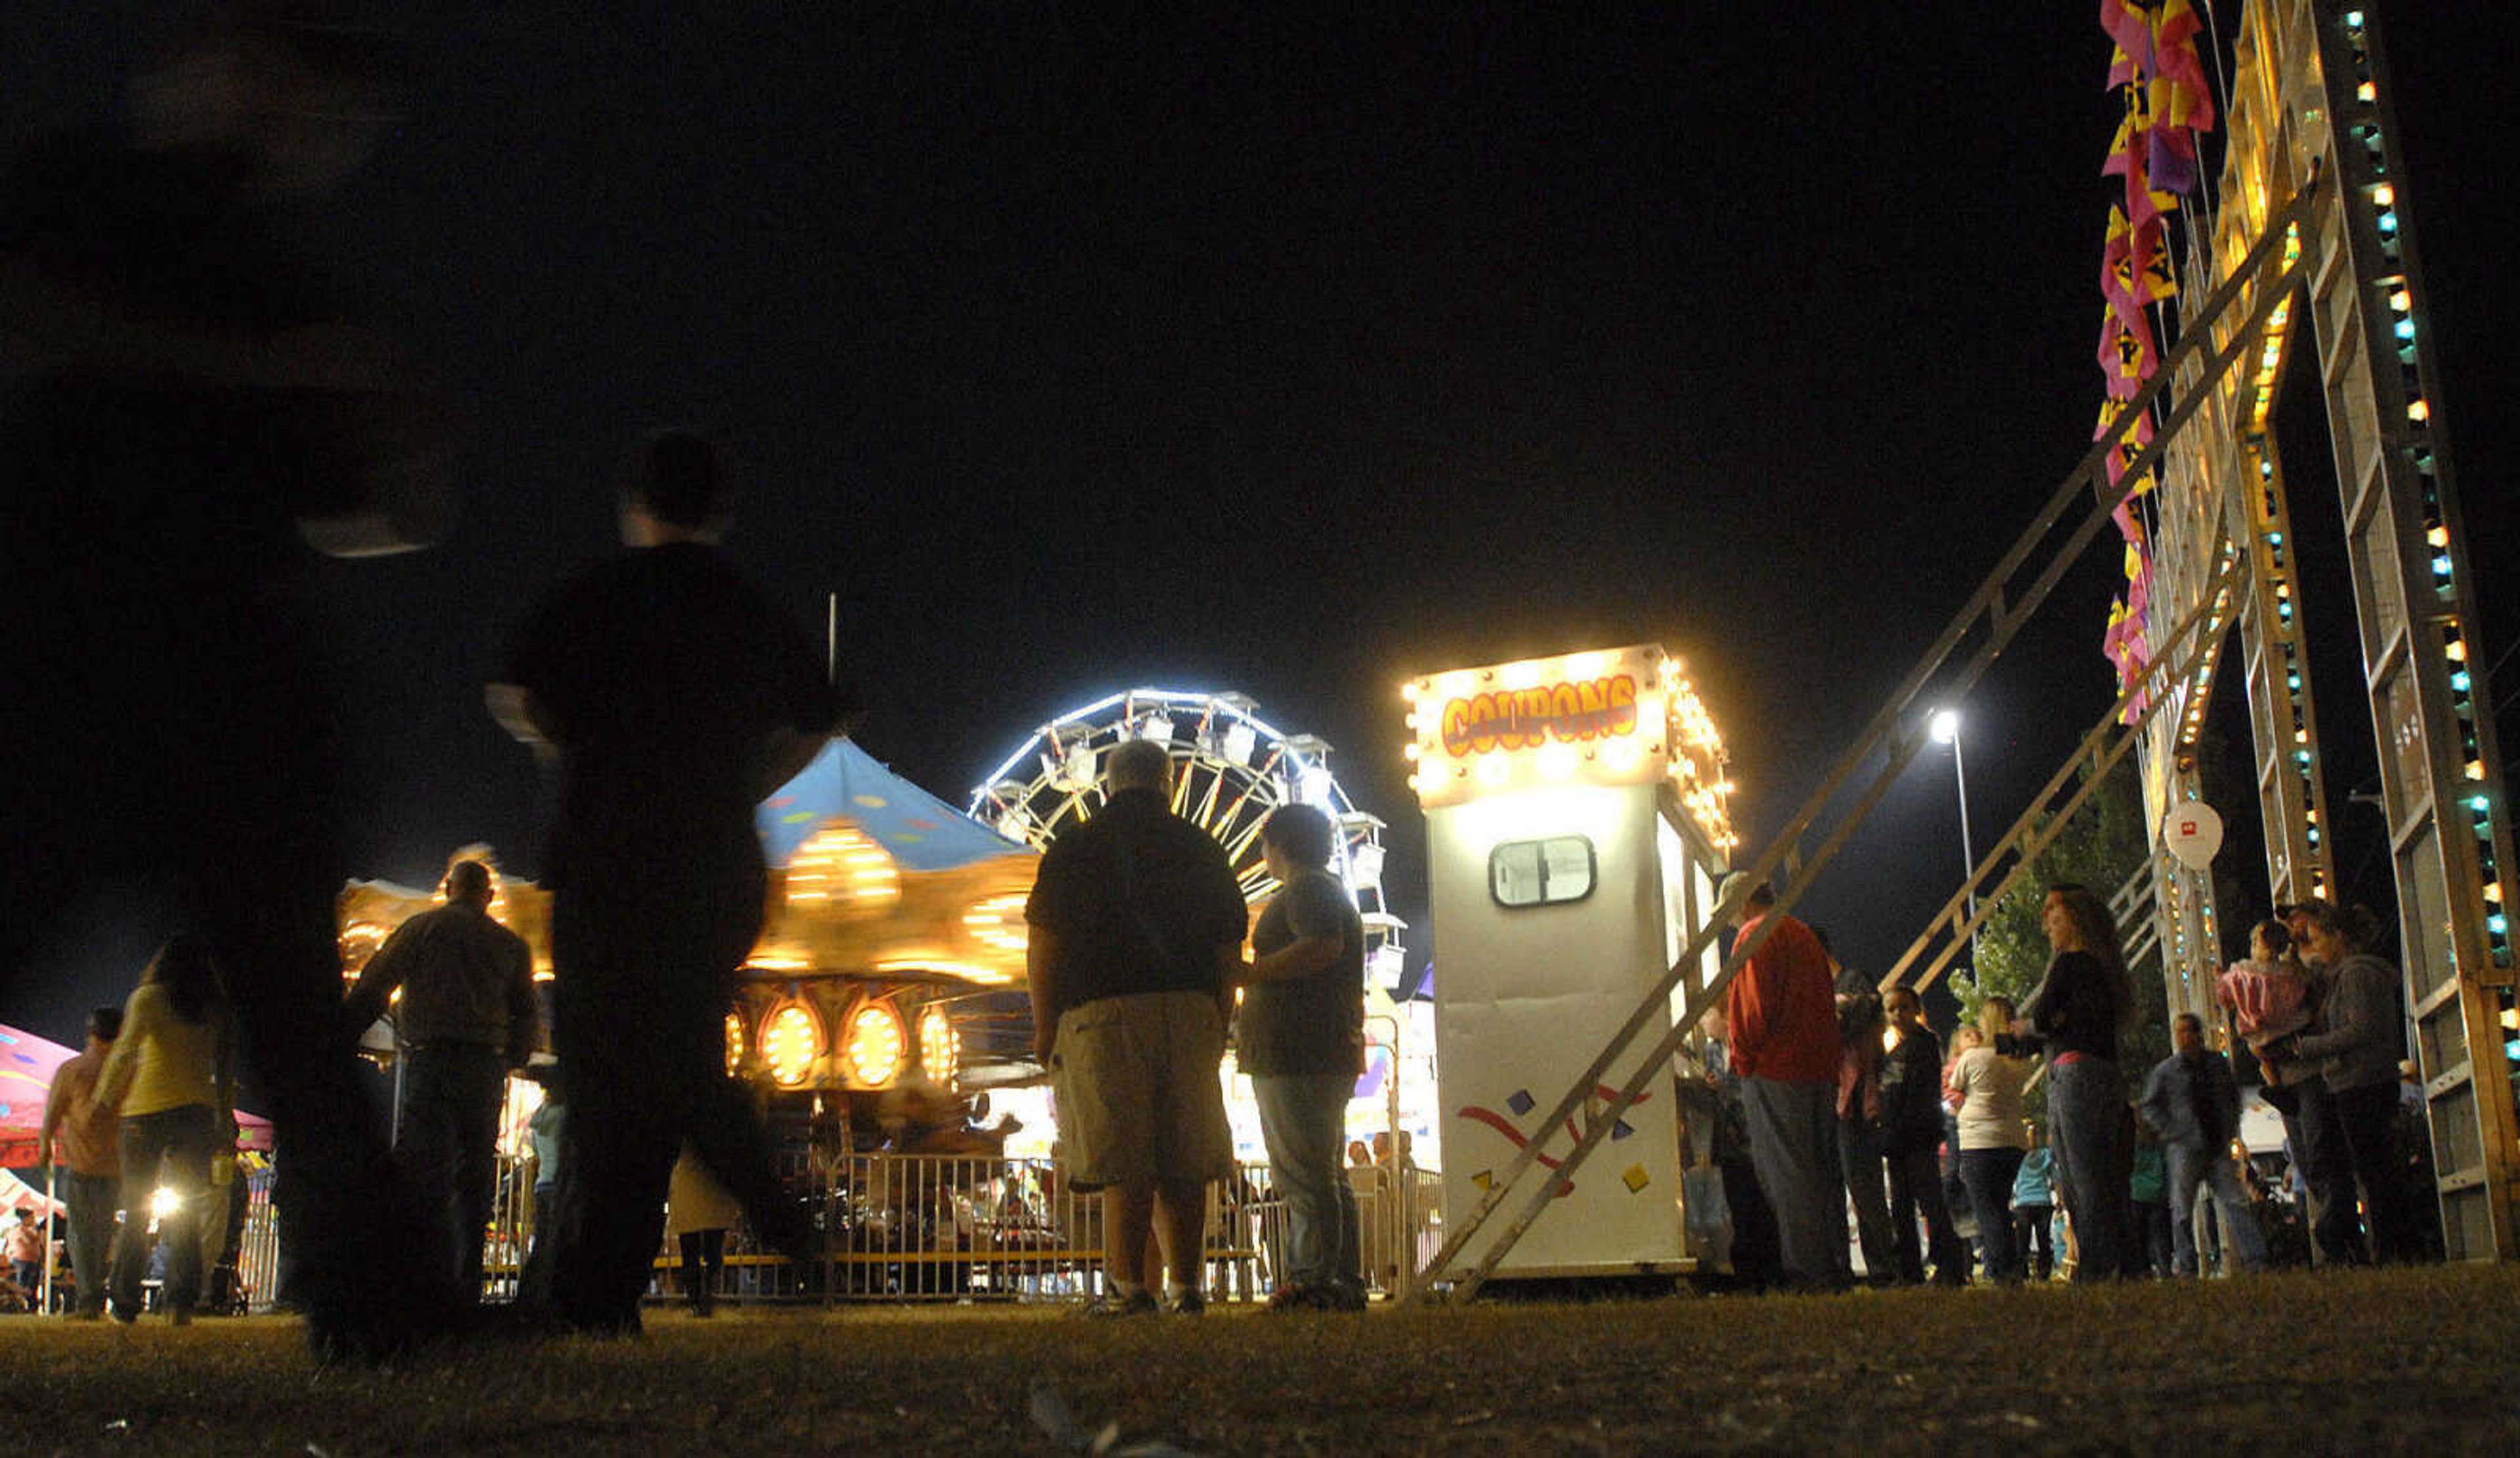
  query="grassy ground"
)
[{"x": 2416, "y": 1362}]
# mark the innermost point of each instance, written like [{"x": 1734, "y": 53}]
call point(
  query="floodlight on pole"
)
[{"x": 1945, "y": 727}]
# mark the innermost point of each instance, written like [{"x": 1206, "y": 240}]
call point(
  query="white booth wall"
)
[{"x": 1526, "y": 997}]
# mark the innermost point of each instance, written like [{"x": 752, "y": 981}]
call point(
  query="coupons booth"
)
[{"x": 1575, "y": 828}]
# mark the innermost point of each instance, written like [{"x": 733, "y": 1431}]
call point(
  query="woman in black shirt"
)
[{"x": 2079, "y": 1011}]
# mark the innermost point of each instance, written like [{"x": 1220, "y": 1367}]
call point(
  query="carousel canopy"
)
[
  {"x": 27, "y": 1064},
  {"x": 919, "y": 832}
]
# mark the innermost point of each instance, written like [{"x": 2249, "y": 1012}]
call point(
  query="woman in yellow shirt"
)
[{"x": 172, "y": 1075}]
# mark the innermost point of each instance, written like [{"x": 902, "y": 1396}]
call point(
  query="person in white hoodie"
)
[{"x": 1986, "y": 1085}]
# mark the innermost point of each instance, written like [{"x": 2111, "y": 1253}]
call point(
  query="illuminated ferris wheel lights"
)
[{"x": 1232, "y": 768}]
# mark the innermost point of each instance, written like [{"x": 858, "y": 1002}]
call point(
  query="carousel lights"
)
[
  {"x": 734, "y": 1044},
  {"x": 359, "y": 941},
  {"x": 996, "y": 922},
  {"x": 792, "y": 1042},
  {"x": 841, "y": 865},
  {"x": 940, "y": 1047},
  {"x": 875, "y": 1047}
]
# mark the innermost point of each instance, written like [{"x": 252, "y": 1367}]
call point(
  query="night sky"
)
[{"x": 1080, "y": 347}]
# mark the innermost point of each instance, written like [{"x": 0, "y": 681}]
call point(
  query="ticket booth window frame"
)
[{"x": 1540, "y": 848}]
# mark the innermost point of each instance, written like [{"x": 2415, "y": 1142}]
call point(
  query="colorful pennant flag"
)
[{"x": 2154, "y": 68}]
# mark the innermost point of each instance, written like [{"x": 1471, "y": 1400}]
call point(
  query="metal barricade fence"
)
[
  {"x": 951, "y": 1228},
  {"x": 933, "y": 1227},
  {"x": 259, "y": 1253},
  {"x": 511, "y": 1228}
]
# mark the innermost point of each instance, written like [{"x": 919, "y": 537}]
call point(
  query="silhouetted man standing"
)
[
  {"x": 468, "y": 1016},
  {"x": 677, "y": 697},
  {"x": 1137, "y": 930}
]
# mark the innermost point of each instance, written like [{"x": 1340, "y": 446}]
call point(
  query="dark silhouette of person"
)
[
  {"x": 195, "y": 417},
  {"x": 468, "y": 1014},
  {"x": 677, "y": 697}
]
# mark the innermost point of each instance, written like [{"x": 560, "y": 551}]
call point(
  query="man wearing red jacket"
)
[{"x": 1783, "y": 1012}]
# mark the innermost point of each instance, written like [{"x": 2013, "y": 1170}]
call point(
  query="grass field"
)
[{"x": 2408, "y": 1362}]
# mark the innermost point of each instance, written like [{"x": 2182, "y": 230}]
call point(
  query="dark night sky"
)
[{"x": 1078, "y": 347}]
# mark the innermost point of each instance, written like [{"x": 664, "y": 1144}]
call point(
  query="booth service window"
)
[{"x": 1540, "y": 873}]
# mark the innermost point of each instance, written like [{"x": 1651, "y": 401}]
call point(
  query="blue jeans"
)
[
  {"x": 2214, "y": 1169},
  {"x": 93, "y": 1199},
  {"x": 449, "y": 1150},
  {"x": 2086, "y": 1107},
  {"x": 1303, "y": 1120},
  {"x": 1860, "y": 1161},
  {"x": 1987, "y": 1175},
  {"x": 170, "y": 1149}
]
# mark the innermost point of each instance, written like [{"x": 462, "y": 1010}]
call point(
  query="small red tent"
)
[{"x": 27, "y": 1067}]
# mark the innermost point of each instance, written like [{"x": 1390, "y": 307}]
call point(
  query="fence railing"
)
[
  {"x": 926, "y": 1228},
  {"x": 938, "y": 1228}
]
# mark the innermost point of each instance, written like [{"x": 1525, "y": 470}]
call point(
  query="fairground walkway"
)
[{"x": 2417, "y": 1361}]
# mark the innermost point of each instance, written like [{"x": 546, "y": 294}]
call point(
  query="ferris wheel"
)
[{"x": 1230, "y": 769}]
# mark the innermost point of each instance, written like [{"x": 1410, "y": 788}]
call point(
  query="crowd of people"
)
[
  {"x": 2133, "y": 1165},
  {"x": 162, "y": 568}
]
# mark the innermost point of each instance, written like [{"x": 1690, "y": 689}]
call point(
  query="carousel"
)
[{"x": 890, "y": 960}]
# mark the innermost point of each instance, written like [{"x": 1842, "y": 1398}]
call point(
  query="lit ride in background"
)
[
  {"x": 1230, "y": 769},
  {"x": 892, "y": 952}
]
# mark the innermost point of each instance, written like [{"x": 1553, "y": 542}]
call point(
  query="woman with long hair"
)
[
  {"x": 2080, "y": 1011},
  {"x": 172, "y": 1074}
]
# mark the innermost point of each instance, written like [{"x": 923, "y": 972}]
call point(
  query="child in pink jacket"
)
[{"x": 2269, "y": 995}]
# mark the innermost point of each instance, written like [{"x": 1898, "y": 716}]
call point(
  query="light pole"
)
[{"x": 1945, "y": 728}]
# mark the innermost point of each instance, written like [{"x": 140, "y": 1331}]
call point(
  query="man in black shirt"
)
[
  {"x": 677, "y": 697},
  {"x": 1136, "y": 939}
]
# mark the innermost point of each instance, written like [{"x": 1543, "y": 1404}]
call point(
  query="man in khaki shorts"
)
[{"x": 1137, "y": 928}]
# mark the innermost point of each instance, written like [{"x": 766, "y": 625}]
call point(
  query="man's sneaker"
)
[
  {"x": 1111, "y": 1305},
  {"x": 1187, "y": 1303}
]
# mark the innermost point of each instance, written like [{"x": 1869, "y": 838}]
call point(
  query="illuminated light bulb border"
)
[
  {"x": 940, "y": 1047},
  {"x": 1558, "y": 720},
  {"x": 874, "y": 1045},
  {"x": 792, "y": 1043}
]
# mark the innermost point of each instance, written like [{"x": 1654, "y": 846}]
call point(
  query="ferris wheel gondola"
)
[{"x": 1231, "y": 768}]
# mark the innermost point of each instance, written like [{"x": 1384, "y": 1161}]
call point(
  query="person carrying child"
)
[{"x": 2269, "y": 998}]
